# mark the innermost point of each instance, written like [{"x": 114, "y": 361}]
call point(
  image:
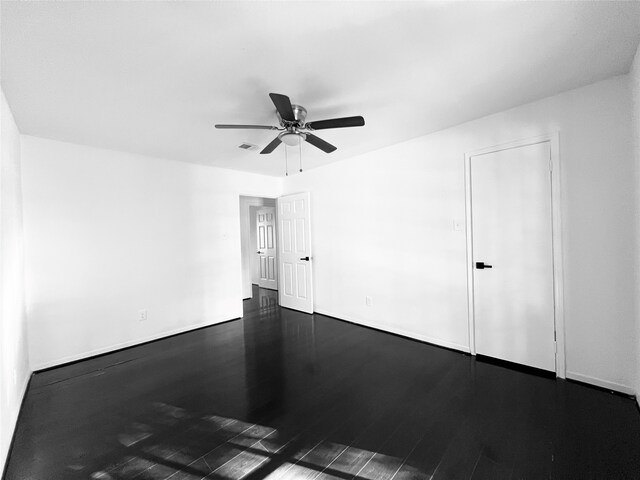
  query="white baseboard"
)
[
  {"x": 464, "y": 348},
  {"x": 119, "y": 346},
  {"x": 13, "y": 422},
  {"x": 617, "y": 387},
  {"x": 397, "y": 331}
]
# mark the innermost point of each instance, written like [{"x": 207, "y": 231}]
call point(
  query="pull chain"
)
[
  {"x": 300, "y": 152},
  {"x": 286, "y": 162}
]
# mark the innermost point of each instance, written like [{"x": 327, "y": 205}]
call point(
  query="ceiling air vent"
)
[{"x": 247, "y": 146}]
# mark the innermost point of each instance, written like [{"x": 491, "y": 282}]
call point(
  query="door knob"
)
[
  {"x": 306, "y": 259},
  {"x": 482, "y": 265}
]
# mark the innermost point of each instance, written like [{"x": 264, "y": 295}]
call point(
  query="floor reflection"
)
[{"x": 264, "y": 355}]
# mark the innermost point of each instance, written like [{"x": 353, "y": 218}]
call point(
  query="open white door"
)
[
  {"x": 294, "y": 248},
  {"x": 266, "y": 243},
  {"x": 513, "y": 284}
]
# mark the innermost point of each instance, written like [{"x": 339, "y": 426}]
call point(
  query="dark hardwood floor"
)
[{"x": 285, "y": 395}]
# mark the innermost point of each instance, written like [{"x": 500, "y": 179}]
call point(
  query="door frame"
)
[
  {"x": 240, "y": 220},
  {"x": 556, "y": 213}
]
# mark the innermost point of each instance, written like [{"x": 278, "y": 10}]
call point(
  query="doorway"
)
[
  {"x": 254, "y": 264},
  {"x": 513, "y": 246}
]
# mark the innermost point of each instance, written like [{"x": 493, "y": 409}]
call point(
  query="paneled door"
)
[
  {"x": 266, "y": 238},
  {"x": 294, "y": 252},
  {"x": 513, "y": 285}
]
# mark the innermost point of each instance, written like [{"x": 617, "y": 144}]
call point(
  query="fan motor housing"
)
[{"x": 300, "y": 114}]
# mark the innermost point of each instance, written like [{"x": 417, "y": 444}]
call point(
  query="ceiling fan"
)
[{"x": 293, "y": 128}]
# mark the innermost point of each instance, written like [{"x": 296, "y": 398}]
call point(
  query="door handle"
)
[
  {"x": 306, "y": 259},
  {"x": 482, "y": 265},
  {"x": 258, "y": 252}
]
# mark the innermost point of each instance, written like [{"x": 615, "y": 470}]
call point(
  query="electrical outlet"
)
[
  {"x": 368, "y": 301},
  {"x": 142, "y": 315}
]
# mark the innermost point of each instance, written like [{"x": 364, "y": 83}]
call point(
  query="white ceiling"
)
[{"x": 153, "y": 77}]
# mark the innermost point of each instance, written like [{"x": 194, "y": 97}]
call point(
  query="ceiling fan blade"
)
[
  {"x": 336, "y": 123},
  {"x": 272, "y": 146},
  {"x": 283, "y": 105},
  {"x": 318, "y": 142},
  {"x": 254, "y": 127}
]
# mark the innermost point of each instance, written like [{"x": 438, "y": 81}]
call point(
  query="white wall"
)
[
  {"x": 109, "y": 233},
  {"x": 247, "y": 228},
  {"x": 383, "y": 226},
  {"x": 634, "y": 76},
  {"x": 14, "y": 364}
]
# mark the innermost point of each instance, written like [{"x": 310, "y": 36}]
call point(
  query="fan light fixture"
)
[{"x": 291, "y": 138}]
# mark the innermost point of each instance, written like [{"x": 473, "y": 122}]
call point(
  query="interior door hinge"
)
[{"x": 550, "y": 165}]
